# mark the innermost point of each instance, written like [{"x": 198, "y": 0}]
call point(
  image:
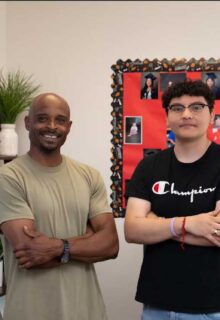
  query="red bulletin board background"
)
[{"x": 128, "y": 103}]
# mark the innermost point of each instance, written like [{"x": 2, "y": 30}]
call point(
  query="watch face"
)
[{"x": 65, "y": 259}]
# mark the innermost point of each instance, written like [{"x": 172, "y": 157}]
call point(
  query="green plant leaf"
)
[{"x": 16, "y": 94}]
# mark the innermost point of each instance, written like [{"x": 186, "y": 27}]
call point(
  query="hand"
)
[
  {"x": 204, "y": 225},
  {"x": 38, "y": 250}
]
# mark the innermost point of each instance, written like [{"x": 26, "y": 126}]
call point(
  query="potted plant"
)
[{"x": 16, "y": 93}]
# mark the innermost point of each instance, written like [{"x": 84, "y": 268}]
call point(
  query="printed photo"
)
[
  {"x": 168, "y": 79},
  {"x": 149, "y": 85},
  {"x": 212, "y": 79},
  {"x": 133, "y": 130}
]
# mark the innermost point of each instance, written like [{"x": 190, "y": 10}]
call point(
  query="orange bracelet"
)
[{"x": 183, "y": 231}]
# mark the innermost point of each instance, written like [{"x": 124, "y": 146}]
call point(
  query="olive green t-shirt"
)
[{"x": 60, "y": 200}]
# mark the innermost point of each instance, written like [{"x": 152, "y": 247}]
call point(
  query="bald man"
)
[{"x": 56, "y": 223}]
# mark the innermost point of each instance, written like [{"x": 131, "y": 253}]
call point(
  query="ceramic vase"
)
[{"x": 8, "y": 141}]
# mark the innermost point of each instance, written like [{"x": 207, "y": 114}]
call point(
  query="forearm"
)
[
  {"x": 86, "y": 248},
  {"x": 14, "y": 233},
  {"x": 190, "y": 238},
  {"x": 148, "y": 230},
  {"x": 96, "y": 247},
  {"x": 195, "y": 241},
  {"x": 144, "y": 226},
  {"x": 99, "y": 242}
]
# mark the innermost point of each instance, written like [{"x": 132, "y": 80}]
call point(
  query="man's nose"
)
[
  {"x": 51, "y": 124},
  {"x": 187, "y": 113}
]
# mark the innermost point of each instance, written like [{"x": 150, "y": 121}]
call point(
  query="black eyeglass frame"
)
[{"x": 203, "y": 105}]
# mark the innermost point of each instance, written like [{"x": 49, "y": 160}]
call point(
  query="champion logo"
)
[
  {"x": 159, "y": 187},
  {"x": 163, "y": 187}
]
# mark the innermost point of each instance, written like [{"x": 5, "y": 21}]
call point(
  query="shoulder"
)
[
  {"x": 84, "y": 170},
  {"x": 150, "y": 163},
  {"x": 161, "y": 155},
  {"x": 80, "y": 165},
  {"x": 214, "y": 148},
  {"x": 13, "y": 174},
  {"x": 13, "y": 167}
]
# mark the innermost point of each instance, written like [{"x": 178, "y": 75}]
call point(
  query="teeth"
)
[{"x": 50, "y": 136}]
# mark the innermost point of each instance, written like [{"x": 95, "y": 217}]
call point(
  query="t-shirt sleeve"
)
[
  {"x": 13, "y": 203},
  {"x": 139, "y": 186},
  {"x": 98, "y": 200}
]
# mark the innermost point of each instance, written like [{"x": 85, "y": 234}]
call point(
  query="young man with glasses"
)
[{"x": 174, "y": 210}]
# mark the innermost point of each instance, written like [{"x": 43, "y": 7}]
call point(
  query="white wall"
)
[
  {"x": 70, "y": 46},
  {"x": 3, "y": 34}
]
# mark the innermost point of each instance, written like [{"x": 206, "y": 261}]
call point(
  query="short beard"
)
[{"x": 46, "y": 150}]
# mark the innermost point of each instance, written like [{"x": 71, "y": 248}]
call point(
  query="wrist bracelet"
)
[
  {"x": 65, "y": 256},
  {"x": 183, "y": 231},
  {"x": 173, "y": 232}
]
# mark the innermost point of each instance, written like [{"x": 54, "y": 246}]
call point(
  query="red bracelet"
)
[{"x": 183, "y": 231}]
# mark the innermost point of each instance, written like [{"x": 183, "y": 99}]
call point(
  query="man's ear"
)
[
  {"x": 27, "y": 122},
  {"x": 212, "y": 118},
  {"x": 70, "y": 125}
]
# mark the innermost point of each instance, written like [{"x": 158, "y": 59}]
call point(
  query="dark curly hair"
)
[{"x": 189, "y": 87}]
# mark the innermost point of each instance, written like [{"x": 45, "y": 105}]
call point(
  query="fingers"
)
[
  {"x": 216, "y": 231},
  {"x": 20, "y": 247},
  {"x": 214, "y": 239},
  {"x": 26, "y": 261},
  {"x": 204, "y": 225},
  {"x": 215, "y": 213},
  {"x": 22, "y": 260},
  {"x": 25, "y": 264},
  {"x": 214, "y": 235}
]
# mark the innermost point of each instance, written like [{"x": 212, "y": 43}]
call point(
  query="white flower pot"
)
[{"x": 8, "y": 140}]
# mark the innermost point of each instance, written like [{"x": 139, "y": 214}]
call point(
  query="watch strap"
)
[{"x": 65, "y": 256}]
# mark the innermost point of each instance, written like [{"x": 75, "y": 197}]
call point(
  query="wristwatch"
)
[{"x": 65, "y": 257}]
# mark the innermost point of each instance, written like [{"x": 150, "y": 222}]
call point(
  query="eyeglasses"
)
[{"x": 193, "y": 108}]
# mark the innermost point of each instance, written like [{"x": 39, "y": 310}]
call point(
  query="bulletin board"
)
[{"x": 139, "y": 126}]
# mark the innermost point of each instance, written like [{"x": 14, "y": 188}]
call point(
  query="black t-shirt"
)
[{"x": 171, "y": 278}]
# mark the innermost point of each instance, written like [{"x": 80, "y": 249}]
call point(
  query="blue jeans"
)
[{"x": 157, "y": 314}]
